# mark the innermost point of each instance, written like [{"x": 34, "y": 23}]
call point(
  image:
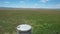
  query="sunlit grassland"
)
[{"x": 42, "y": 21}]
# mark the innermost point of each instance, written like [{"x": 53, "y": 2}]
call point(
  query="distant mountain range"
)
[
  {"x": 10, "y": 8},
  {"x": 5, "y": 7},
  {"x": 16, "y": 8}
]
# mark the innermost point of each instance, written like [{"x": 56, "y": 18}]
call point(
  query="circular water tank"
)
[{"x": 24, "y": 29}]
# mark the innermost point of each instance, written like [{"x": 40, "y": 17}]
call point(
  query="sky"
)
[{"x": 30, "y": 3}]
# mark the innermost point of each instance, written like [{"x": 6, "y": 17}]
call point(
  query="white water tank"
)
[{"x": 24, "y": 29}]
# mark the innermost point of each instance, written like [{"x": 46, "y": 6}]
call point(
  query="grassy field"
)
[{"x": 42, "y": 21}]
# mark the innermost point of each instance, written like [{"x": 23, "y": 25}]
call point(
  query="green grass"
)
[{"x": 42, "y": 21}]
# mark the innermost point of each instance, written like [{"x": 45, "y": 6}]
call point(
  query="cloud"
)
[
  {"x": 55, "y": 6},
  {"x": 44, "y": 1},
  {"x": 22, "y": 1},
  {"x": 35, "y": 5},
  {"x": 7, "y": 2}
]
